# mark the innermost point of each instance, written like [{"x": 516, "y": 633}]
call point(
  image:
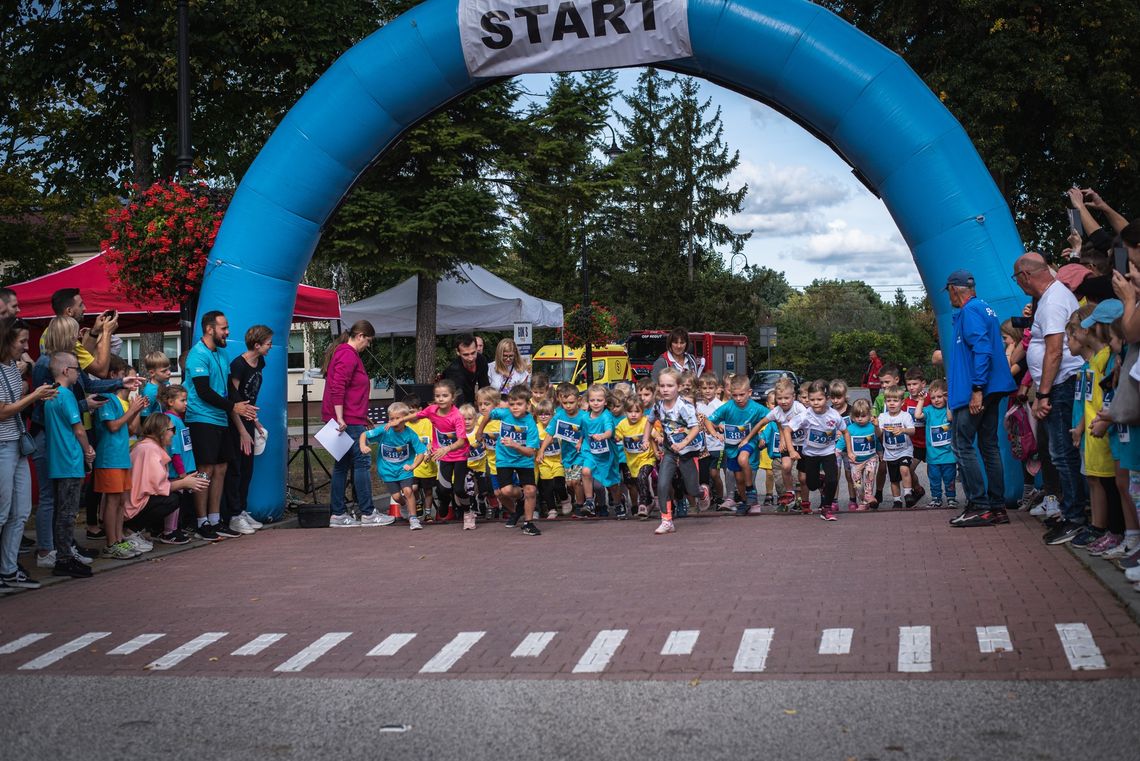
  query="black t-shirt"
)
[
  {"x": 465, "y": 381},
  {"x": 248, "y": 380}
]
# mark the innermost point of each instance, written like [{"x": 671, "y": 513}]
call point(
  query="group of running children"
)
[{"x": 665, "y": 442}]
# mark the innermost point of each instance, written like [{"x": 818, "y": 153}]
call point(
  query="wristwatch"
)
[{"x": 1044, "y": 394}]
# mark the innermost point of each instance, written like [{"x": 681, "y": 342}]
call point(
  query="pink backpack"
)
[{"x": 1020, "y": 428}]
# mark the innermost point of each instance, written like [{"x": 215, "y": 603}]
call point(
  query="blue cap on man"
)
[{"x": 960, "y": 278}]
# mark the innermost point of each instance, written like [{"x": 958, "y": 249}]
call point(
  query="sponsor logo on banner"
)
[{"x": 508, "y": 37}]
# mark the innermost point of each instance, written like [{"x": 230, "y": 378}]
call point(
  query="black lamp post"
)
[
  {"x": 185, "y": 158},
  {"x": 611, "y": 153}
]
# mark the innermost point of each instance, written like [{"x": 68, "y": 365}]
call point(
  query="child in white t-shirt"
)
[
  {"x": 897, "y": 427},
  {"x": 708, "y": 399},
  {"x": 786, "y": 408},
  {"x": 822, "y": 427}
]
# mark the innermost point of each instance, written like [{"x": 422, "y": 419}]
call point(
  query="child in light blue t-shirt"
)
[
  {"x": 862, "y": 453},
  {"x": 941, "y": 465},
  {"x": 401, "y": 450}
]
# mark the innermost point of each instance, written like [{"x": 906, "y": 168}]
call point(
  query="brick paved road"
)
[{"x": 872, "y": 596}]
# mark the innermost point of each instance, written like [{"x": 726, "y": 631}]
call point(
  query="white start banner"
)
[{"x": 508, "y": 37}]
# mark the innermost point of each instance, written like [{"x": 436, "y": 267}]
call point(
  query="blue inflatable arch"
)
[{"x": 850, "y": 91}]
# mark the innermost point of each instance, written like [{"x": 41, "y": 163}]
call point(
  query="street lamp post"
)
[
  {"x": 588, "y": 355},
  {"x": 185, "y": 159}
]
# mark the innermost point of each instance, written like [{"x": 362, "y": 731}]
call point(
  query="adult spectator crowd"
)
[{"x": 72, "y": 414}]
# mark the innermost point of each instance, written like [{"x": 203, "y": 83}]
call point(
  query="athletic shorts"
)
[
  {"x": 395, "y": 487},
  {"x": 732, "y": 464},
  {"x": 894, "y": 468},
  {"x": 112, "y": 480},
  {"x": 213, "y": 444},
  {"x": 517, "y": 476},
  {"x": 920, "y": 454}
]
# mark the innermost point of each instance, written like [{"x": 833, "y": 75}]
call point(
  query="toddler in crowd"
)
[
  {"x": 515, "y": 455},
  {"x": 708, "y": 400},
  {"x": 862, "y": 453},
  {"x": 737, "y": 425},
  {"x": 680, "y": 427},
  {"x": 786, "y": 408},
  {"x": 837, "y": 392},
  {"x": 565, "y": 427},
  {"x": 641, "y": 457},
  {"x": 822, "y": 426},
  {"x": 157, "y": 366},
  {"x": 400, "y": 452},
  {"x": 896, "y": 427},
  {"x": 941, "y": 465},
  {"x": 551, "y": 474},
  {"x": 423, "y": 477},
  {"x": 113, "y": 469},
  {"x": 172, "y": 399}
]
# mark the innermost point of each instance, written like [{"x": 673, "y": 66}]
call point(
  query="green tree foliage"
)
[{"x": 1046, "y": 89}]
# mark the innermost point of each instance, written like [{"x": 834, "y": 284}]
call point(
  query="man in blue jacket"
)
[{"x": 978, "y": 376}]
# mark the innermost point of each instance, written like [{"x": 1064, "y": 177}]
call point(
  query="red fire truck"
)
[{"x": 722, "y": 352}]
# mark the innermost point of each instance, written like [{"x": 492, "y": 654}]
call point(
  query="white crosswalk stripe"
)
[
  {"x": 681, "y": 642},
  {"x": 132, "y": 645},
  {"x": 836, "y": 641},
  {"x": 19, "y": 644},
  {"x": 914, "y": 649},
  {"x": 752, "y": 655},
  {"x": 1080, "y": 648},
  {"x": 258, "y": 643},
  {"x": 447, "y": 657},
  {"x": 600, "y": 651},
  {"x": 314, "y": 651},
  {"x": 993, "y": 639},
  {"x": 533, "y": 645},
  {"x": 392, "y": 644},
  {"x": 63, "y": 651},
  {"x": 184, "y": 651}
]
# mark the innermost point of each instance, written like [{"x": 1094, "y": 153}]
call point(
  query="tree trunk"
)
[{"x": 426, "y": 295}]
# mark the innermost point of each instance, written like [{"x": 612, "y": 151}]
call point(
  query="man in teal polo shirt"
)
[{"x": 208, "y": 410}]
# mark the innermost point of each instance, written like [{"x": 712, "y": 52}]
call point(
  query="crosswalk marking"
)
[
  {"x": 752, "y": 655},
  {"x": 836, "y": 641},
  {"x": 19, "y": 644},
  {"x": 392, "y": 644},
  {"x": 63, "y": 651},
  {"x": 600, "y": 651},
  {"x": 314, "y": 651},
  {"x": 993, "y": 639},
  {"x": 914, "y": 649},
  {"x": 258, "y": 643},
  {"x": 135, "y": 644},
  {"x": 451, "y": 652},
  {"x": 184, "y": 651},
  {"x": 681, "y": 642},
  {"x": 1080, "y": 648},
  {"x": 533, "y": 645}
]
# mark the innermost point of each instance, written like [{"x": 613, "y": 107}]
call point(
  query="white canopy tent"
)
[{"x": 469, "y": 301}]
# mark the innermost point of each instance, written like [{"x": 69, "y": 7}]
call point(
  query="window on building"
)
[{"x": 296, "y": 357}]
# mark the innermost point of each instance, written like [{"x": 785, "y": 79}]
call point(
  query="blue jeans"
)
[
  {"x": 1066, "y": 457},
  {"x": 966, "y": 430},
  {"x": 360, "y": 464},
  {"x": 942, "y": 474},
  {"x": 45, "y": 508},
  {"x": 15, "y": 502}
]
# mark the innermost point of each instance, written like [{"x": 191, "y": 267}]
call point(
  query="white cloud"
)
[{"x": 773, "y": 189}]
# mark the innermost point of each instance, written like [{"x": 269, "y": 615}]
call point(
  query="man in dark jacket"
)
[
  {"x": 469, "y": 369},
  {"x": 977, "y": 376}
]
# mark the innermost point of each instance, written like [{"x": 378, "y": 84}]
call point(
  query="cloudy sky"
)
[{"x": 809, "y": 216}]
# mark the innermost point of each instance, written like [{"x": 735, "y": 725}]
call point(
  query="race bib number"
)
[
  {"x": 599, "y": 447},
  {"x": 633, "y": 444},
  {"x": 820, "y": 438},
  {"x": 676, "y": 437},
  {"x": 513, "y": 433},
  {"x": 490, "y": 439},
  {"x": 389, "y": 453},
  {"x": 734, "y": 434},
  {"x": 567, "y": 431},
  {"x": 187, "y": 442},
  {"x": 799, "y": 437},
  {"x": 554, "y": 448},
  {"x": 895, "y": 440},
  {"x": 508, "y": 37},
  {"x": 444, "y": 439},
  {"x": 476, "y": 453},
  {"x": 863, "y": 444},
  {"x": 940, "y": 435},
  {"x": 1123, "y": 435}
]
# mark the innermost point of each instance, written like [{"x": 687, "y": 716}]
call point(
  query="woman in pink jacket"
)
[{"x": 150, "y": 498}]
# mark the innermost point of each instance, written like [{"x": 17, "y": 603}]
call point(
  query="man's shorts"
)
[
  {"x": 213, "y": 444},
  {"x": 516, "y": 476},
  {"x": 112, "y": 480}
]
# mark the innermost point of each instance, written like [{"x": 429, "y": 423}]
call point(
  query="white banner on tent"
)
[{"x": 508, "y": 37}]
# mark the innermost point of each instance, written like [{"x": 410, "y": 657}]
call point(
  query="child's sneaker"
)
[
  {"x": 704, "y": 501},
  {"x": 121, "y": 551},
  {"x": 643, "y": 512},
  {"x": 859, "y": 508},
  {"x": 681, "y": 510},
  {"x": 934, "y": 503},
  {"x": 174, "y": 537},
  {"x": 897, "y": 504},
  {"x": 576, "y": 513},
  {"x": 1106, "y": 543},
  {"x": 910, "y": 500},
  {"x": 530, "y": 529},
  {"x": 1126, "y": 547},
  {"x": 751, "y": 497},
  {"x": 727, "y": 504},
  {"x": 468, "y": 520},
  {"x": 852, "y": 505},
  {"x": 952, "y": 503},
  {"x": 873, "y": 504},
  {"x": 414, "y": 523},
  {"x": 769, "y": 500},
  {"x": 620, "y": 511},
  {"x": 588, "y": 508},
  {"x": 741, "y": 508},
  {"x": 804, "y": 506},
  {"x": 551, "y": 515},
  {"x": 666, "y": 527},
  {"x": 787, "y": 498}
]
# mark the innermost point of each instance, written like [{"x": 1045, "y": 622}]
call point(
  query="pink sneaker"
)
[
  {"x": 728, "y": 504},
  {"x": 1104, "y": 544},
  {"x": 469, "y": 520}
]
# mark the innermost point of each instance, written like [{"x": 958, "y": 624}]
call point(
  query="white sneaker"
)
[
  {"x": 45, "y": 561},
  {"x": 254, "y": 522},
  {"x": 377, "y": 518},
  {"x": 666, "y": 527},
  {"x": 1052, "y": 506},
  {"x": 551, "y": 515},
  {"x": 1132, "y": 574},
  {"x": 1120, "y": 550},
  {"x": 239, "y": 524},
  {"x": 75, "y": 553},
  {"x": 343, "y": 521},
  {"x": 468, "y": 520},
  {"x": 138, "y": 543},
  {"x": 414, "y": 523}
]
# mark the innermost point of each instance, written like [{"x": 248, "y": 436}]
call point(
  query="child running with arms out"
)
[
  {"x": 896, "y": 427},
  {"x": 737, "y": 424},
  {"x": 565, "y": 428},
  {"x": 401, "y": 451},
  {"x": 640, "y": 457},
  {"x": 598, "y": 456},
  {"x": 786, "y": 408},
  {"x": 514, "y": 454},
  {"x": 823, "y": 425},
  {"x": 941, "y": 465},
  {"x": 680, "y": 427},
  {"x": 863, "y": 454}
]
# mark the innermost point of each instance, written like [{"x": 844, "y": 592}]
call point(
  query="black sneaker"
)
[
  {"x": 1053, "y": 521},
  {"x": 967, "y": 510},
  {"x": 588, "y": 509},
  {"x": 620, "y": 511},
  {"x": 982, "y": 517},
  {"x": 224, "y": 532},
  {"x": 512, "y": 521},
  {"x": 530, "y": 529},
  {"x": 19, "y": 580},
  {"x": 1001, "y": 517},
  {"x": 174, "y": 537},
  {"x": 207, "y": 532},
  {"x": 71, "y": 567},
  {"x": 1063, "y": 533},
  {"x": 910, "y": 500},
  {"x": 96, "y": 534},
  {"x": 26, "y": 545}
]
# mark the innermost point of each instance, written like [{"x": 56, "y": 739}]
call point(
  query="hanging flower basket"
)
[
  {"x": 594, "y": 324},
  {"x": 158, "y": 242}
]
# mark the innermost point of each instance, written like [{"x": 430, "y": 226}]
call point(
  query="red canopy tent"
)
[{"x": 93, "y": 280}]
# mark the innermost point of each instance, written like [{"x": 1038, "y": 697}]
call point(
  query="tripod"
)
[{"x": 306, "y": 449}]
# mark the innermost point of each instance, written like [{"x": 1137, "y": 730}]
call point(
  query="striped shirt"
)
[{"x": 10, "y": 387}]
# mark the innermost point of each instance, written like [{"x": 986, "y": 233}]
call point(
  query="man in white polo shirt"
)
[{"x": 1055, "y": 371}]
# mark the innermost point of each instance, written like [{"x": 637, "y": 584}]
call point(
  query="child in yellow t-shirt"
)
[
  {"x": 486, "y": 400},
  {"x": 425, "y": 474},
  {"x": 552, "y": 492},
  {"x": 639, "y": 458},
  {"x": 476, "y": 462}
]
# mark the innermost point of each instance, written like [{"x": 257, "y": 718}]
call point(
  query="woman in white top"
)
[{"x": 509, "y": 369}]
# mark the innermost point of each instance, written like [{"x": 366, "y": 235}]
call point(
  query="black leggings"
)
[
  {"x": 668, "y": 467},
  {"x": 552, "y": 492},
  {"x": 643, "y": 482},
  {"x": 451, "y": 476},
  {"x": 827, "y": 482},
  {"x": 153, "y": 514}
]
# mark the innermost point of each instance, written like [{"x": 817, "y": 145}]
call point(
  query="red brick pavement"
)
[{"x": 797, "y": 575}]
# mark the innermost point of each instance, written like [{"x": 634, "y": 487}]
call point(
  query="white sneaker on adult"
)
[
  {"x": 239, "y": 524},
  {"x": 343, "y": 521},
  {"x": 45, "y": 561},
  {"x": 251, "y": 520},
  {"x": 377, "y": 518}
]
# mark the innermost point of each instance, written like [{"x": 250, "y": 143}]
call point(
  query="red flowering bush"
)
[
  {"x": 593, "y": 323},
  {"x": 157, "y": 244}
]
